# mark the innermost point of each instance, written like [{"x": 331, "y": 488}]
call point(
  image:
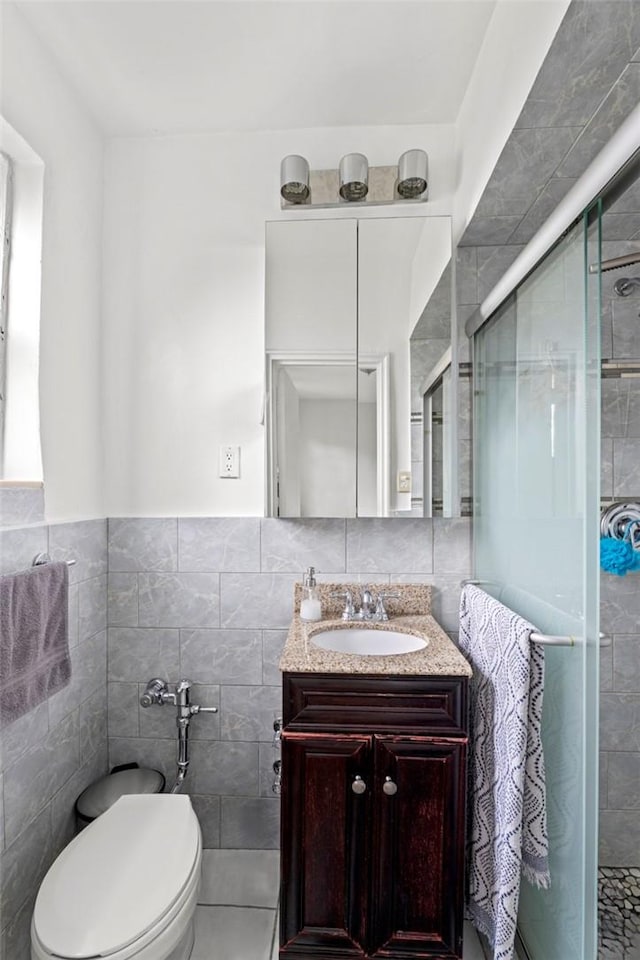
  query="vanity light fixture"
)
[
  {"x": 354, "y": 182},
  {"x": 294, "y": 179},
  {"x": 412, "y": 174},
  {"x": 354, "y": 177}
]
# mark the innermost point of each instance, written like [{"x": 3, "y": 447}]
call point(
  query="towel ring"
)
[{"x": 616, "y": 518}]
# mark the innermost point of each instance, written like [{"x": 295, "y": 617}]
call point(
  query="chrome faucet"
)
[
  {"x": 371, "y": 610},
  {"x": 367, "y": 605}
]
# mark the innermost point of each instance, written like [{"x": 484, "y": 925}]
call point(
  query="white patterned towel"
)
[{"x": 507, "y": 817}]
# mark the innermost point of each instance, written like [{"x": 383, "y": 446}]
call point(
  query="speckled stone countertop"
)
[{"x": 409, "y": 613}]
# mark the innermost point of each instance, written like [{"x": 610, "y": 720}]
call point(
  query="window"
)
[{"x": 21, "y": 213}]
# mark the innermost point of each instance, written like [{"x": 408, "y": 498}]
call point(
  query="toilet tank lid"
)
[{"x": 118, "y": 878}]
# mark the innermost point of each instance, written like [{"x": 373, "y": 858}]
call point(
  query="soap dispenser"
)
[{"x": 310, "y": 607}]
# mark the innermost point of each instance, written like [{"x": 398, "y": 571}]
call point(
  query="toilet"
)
[{"x": 126, "y": 887}]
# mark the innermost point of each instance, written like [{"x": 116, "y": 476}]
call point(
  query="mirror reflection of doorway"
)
[
  {"x": 437, "y": 441},
  {"x": 320, "y": 406}
]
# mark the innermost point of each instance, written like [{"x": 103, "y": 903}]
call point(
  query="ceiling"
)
[{"x": 182, "y": 66}]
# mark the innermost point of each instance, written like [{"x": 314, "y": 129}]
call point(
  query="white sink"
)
[{"x": 366, "y": 642}]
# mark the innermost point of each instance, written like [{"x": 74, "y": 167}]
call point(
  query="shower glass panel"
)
[{"x": 536, "y": 483}]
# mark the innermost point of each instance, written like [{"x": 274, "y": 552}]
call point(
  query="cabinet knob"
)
[
  {"x": 358, "y": 785},
  {"x": 389, "y": 787}
]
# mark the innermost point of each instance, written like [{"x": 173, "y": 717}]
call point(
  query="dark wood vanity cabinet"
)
[{"x": 373, "y": 810}]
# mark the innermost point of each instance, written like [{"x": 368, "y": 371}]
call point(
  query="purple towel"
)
[{"x": 34, "y": 638}]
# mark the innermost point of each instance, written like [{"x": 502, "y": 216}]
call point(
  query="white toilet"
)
[{"x": 126, "y": 887}]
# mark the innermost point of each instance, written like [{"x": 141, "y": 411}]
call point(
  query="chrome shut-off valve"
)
[
  {"x": 157, "y": 691},
  {"x": 277, "y": 732}
]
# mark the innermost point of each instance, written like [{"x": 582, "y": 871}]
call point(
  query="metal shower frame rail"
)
[{"x": 609, "y": 162}]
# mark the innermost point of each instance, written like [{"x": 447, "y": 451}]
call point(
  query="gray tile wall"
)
[
  {"x": 48, "y": 756},
  {"x": 620, "y": 596},
  {"x": 20, "y": 505},
  {"x": 211, "y": 599},
  {"x": 587, "y": 85}
]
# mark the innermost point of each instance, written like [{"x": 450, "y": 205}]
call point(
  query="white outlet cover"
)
[
  {"x": 229, "y": 461},
  {"x": 404, "y": 481}
]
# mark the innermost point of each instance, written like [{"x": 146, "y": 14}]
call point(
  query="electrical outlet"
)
[
  {"x": 404, "y": 481},
  {"x": 229, "y": 461}
]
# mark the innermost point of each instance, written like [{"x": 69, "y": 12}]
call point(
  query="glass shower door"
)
[{"x": 536, "y": 483}]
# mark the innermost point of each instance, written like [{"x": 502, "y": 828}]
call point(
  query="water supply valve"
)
[
  {"x": 155, "y": 692},
  {"x": 277, "y": 732}
]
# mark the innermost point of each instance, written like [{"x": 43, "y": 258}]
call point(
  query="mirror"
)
[
  {"x": 349, "y": 346},
  {"x": 437, "y": 399}
]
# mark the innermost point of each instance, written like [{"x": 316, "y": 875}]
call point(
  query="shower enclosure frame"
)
[{"x": 611, "y": 171}]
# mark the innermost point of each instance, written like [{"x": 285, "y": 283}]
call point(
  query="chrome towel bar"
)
[
  {"x": 547, "y": 639},
  {"x": 41, "y": 558}
]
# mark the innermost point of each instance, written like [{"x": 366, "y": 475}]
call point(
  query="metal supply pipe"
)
[{"x": 157, "y": 692}]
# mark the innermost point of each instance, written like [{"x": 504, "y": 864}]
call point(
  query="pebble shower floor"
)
[{"x": 618, "y": 913}]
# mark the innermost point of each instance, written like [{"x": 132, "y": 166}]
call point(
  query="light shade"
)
[
  {"x": 412, "y": 174},
  {"x": 354, "y": 176},
  {"x": 294, "y": 179}
]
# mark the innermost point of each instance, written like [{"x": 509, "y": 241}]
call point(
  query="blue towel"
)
[
  {"x": 507, "y": 816},
  {"x": 34, "y": 638}
]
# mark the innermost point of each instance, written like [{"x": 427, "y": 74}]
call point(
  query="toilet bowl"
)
[{"x": 125, "y": 888}]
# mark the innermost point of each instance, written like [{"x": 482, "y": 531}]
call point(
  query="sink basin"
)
[{"x": 368, "y": 643}]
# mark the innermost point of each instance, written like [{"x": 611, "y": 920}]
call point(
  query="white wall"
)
[
  {"x": 184, "y": 303},
  {"x": 430, "y": 259},
  {"x": 500, "y": 83},
  {"x": 367, "y": 503},
  {"x": 288, "y": 445},
  {"x": 327, "y": 448},
  {"x": 39, "y": 105},
  {"x": 385, "y": 254}
]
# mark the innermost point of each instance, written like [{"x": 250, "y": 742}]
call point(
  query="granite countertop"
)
[{"x": 409, "y": 613}]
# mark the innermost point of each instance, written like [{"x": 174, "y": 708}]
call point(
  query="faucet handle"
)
[
  {"x": 381, "y": 613},
  {"x": 349, "y": 610}
]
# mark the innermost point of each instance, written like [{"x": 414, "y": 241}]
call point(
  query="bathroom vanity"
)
[{"x": 373, "y": 796}]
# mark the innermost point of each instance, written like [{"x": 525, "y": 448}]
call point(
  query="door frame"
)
[{"x": 276, "y": 360}]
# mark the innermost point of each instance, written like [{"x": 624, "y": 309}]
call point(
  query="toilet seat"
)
[{"x": 129, "y": 879}]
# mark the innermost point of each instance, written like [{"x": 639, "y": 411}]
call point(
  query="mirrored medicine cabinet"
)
[{"x": 355, "y": 375}]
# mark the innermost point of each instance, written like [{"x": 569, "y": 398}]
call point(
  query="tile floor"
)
[
  {"x": 236, "y": 918},
  {"x": 619, "y": 913}
]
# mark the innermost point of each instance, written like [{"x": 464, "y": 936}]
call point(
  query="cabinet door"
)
[
  {"x": 311, "y": 340},
  {"x": 418, "y": 874},
  {"x": 325, "y": 846}
]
